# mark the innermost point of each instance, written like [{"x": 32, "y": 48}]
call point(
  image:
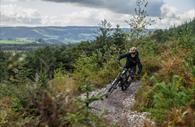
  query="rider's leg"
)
[{"x": 132, "y": 73}]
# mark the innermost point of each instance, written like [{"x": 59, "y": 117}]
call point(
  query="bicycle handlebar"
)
[{"x": 122, "y": 67}]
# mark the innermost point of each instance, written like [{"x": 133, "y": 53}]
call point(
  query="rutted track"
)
[{"x": 117, "y": 108}]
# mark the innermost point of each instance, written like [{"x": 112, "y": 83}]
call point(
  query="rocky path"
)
[{"x": 117, "y": 108}]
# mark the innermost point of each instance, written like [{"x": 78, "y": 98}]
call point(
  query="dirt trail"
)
[{"x": 117, "y": 108}]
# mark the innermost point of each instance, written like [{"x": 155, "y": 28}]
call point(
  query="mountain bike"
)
[{"x": 123, "y": 80}]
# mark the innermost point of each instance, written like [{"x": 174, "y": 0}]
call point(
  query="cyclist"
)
[{"x": 132, "y": 60}]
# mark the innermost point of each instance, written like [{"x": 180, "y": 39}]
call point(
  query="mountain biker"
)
[{"x": 132, "y": 60}]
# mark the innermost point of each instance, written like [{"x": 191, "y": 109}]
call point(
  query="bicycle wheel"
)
[
  {"x": 125, "y": 85},
  {"x": 113, "y": 86}
]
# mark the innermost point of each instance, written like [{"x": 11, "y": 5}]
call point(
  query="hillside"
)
[
  {"x": 45, "y": 87},
  {"x": 49, "y": 34}
]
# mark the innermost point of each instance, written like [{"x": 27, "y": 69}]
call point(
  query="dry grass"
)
[
  {"x": 151, "y": 65},
  {"x": 5, "y": 102},
  {"x": 171, "y": 63},
  {"x": 180, "y": 118},
  {"x": 63, "y": 83}
]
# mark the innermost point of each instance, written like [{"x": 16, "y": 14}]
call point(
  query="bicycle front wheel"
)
[{"x": 113, "y": 86}]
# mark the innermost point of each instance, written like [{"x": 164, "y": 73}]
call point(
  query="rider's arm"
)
[
  {"x": 139, "y": 64},
  {"x": 122, "y": 56}
]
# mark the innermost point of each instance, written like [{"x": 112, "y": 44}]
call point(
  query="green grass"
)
[{"x": 17, "y": 41}]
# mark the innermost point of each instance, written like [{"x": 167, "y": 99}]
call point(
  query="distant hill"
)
[{"x": 49, "y": 34}]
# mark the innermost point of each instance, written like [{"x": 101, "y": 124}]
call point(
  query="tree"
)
[
  {"x": 119, "y": 38},
  {"x": 42, "y": 59},
  {"x": 84, "y": 115},
  {"x": 3, "y": 66},
  {"x": 103, "y": 40},
  {"x": 105, "y": 30},
  {"x": 160, "y": 35},
  {"x": 139, "y": 21},
  {"x": 185, "y": 35}
]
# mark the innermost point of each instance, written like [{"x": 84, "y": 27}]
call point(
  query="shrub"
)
[
  {"x": 84, "y": 115},
  {"x": 180, "y": 117},
  {"x": 106, "y": 74},
  {"x": 143, "y": 95},
  {"x": 85, "y": 68},
  {"x": 167, "y": 96},
  {"x": 151, "y": 65},
  {"x": 63, "y": 83}
]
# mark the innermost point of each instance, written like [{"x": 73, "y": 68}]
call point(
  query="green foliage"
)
[
  {"x": 119, "y": 39},
  {"x": 149, "y": 48},
  {"x": 107, "y": 73},
  {"x": 42, "y": 79},
  {"x": 171, "y": 95},
  {"x": 138, "y": 22},
  {"x": 43, "y": 83},
  {"x": 160, "y": 36},
  {"x": 193, "y": 71},
  {"x": 84, "y": 116},
  {"x": 85, "y": 67},
  {"x": 168, "y": 96},
  {"x": 191, "y": 58},
  {"x": 184, "y": 36},
  {"x": 17, "y": 95},
  {"x": 3, "y": 66},
  {"x": 42, "y": 59},
  {"x": 105, "y": 32}
]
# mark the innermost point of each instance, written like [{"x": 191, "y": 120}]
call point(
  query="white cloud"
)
[
  {"x": 168, "y": 11},
  {"x": 187, "y": 16},
  {"x": 171, "y": 16},
  {"x": 12, "y": 1},
  {"x": 118, "y": 6},
  {"x": 87, "y": 16},
  {"x": 70, "y": 14},
  {"x": 9, "y": 1},
  {"x": 73, "y": 15},
  {"x": 13, "y": 14}
]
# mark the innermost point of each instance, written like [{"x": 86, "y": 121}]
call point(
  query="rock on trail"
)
[{"x": 117, "y": 107}]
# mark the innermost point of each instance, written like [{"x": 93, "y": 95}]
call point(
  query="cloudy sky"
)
[{"x": 91, "y": 12}]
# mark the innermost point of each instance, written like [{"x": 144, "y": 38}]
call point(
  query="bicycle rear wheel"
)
[{"x": 125, "y": 85}]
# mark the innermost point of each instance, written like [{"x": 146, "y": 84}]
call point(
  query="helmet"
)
[{"x": 133, "y": 50}]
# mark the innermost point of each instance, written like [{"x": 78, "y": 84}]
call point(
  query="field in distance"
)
[{"x": 17, "y": 41}]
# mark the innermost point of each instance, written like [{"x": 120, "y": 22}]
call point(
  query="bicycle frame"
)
[{"x": 121, "y": 78}]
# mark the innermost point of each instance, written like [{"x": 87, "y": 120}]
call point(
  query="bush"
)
[
  {"x": 168, "y": 96},
  {"x": 84, "y": 115},
  {"x": 183, "y": 116},
  {"x": 151, "y": 65},
  {"x": 106, "y": 74},
  {"x": 63, "y": 83}
]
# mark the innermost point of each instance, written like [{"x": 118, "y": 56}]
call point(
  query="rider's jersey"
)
[{"x": 131, "y": 62}]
